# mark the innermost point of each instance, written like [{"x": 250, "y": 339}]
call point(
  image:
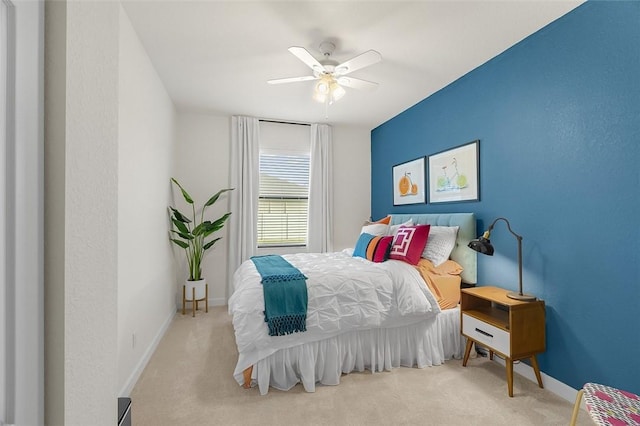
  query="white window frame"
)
[{"x": 281, "y": 138}]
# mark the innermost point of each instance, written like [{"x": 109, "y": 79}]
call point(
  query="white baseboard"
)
[
  {"x": 220, "y": 301},
  {"x": 555, "y": 386},
  {"x": 135, "y": 374}
]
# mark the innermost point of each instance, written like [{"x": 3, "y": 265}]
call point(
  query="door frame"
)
[{"x": 22, "y": 213}]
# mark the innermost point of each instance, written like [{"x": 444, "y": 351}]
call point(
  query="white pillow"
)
[
  {"x": 440, "y": 244},
  {"x": 393, "y": 229},
  {"x": 377, "y": 229}
]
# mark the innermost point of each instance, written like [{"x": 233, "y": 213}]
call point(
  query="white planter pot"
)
[{"x": 200, "y": 289}]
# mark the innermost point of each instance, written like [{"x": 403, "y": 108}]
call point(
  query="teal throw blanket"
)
[{"x": 285, "y": 295}]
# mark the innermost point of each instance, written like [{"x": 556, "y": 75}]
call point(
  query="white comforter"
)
[{"x": 345, "y": 293}]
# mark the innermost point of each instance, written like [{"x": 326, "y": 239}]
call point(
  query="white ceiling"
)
[{"x": 216, "y": 56}]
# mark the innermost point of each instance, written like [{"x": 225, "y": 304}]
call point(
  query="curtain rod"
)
[{"x": 266, "y": 120}]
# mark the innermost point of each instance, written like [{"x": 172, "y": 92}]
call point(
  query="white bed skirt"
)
[{"x": 423, "y": 344}]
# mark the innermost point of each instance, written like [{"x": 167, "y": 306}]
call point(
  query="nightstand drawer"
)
[{"x": 486, "y": 334}]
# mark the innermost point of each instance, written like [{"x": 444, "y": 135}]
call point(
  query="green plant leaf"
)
[
  {"x": 181, "y": 226},
  {"x": 185, "y": 194},
  {"x": 183, "y": 235},
  {"x": 216, "y": 196},
  {"x": 210, "y": 227},
  {"x": 210, "y": 243},
  {"x": 180, "y": 243},
  {"x": 222, "y": 219},
  {"x": 208, "y": 230},
  {"x": 179, "y": 216},
  {"x": 199, "y": 229}
]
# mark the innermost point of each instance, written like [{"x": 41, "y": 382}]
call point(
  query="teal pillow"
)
[
  {"x": 361, "y": 245},
  {"x": 373, "y": 248}
]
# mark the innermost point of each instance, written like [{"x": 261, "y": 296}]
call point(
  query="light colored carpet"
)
[{"x": 189, "y": 381}]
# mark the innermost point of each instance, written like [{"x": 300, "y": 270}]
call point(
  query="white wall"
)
[
  {"x": 91, "y": 214},
  {"x": 146, "y": 290},
  {"x": 202, "y": 167}
]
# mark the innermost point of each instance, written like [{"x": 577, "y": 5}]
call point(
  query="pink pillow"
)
[{"x": 409, "y": 243}]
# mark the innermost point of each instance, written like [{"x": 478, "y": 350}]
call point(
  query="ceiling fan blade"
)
[
  {"x": 306, "y": 57},
  {"x": 292, "y": 79},
  {"x": 365, "y": 59},
  {"x": 357, "y": 83}
]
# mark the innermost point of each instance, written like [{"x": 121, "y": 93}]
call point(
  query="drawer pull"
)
[{"x": 484, "y": 332}]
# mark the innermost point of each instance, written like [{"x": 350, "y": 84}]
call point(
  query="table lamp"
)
[{"x": 483, "y": 245}]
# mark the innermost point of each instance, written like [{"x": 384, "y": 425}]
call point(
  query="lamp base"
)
[{"x": 523, "y": 297}]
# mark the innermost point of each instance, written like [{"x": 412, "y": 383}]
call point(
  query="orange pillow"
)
[{"x": 384, "y": 220}]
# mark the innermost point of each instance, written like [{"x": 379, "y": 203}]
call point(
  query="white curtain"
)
[
  {"x": 320, "y": 237},
  {"x": 245, "y": 163}
]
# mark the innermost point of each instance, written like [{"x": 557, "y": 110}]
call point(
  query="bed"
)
[{"x": 361, "y": 315}]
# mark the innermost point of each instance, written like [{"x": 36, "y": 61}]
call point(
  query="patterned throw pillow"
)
[
  {"x": 393, "y": 229},
  {"x": 409, "y": 243},
  {"x": 442, "y": 240},
  {"x": 372, "y": 247}
]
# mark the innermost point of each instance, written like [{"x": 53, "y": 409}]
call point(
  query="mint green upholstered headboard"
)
[{"x": 467, "y": 231}]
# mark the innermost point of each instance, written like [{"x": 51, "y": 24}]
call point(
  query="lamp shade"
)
[{"x": 482, "y": 245}]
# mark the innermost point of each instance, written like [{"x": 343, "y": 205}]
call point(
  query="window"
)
[{"x": 283, "y": 198}]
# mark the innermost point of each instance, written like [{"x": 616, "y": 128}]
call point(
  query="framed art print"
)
[
  {"x": 409, "y": 182},
  {"x": 454, "y": 174}
]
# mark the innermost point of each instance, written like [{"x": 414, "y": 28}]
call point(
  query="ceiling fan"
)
[{"x": 330, "y": 74}]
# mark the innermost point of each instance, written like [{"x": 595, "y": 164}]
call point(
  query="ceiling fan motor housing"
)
[{"x": 327, "y": 48}]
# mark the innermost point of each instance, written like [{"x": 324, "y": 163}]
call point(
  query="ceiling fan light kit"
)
[
  {"x": 331, "y": 74},
  {"x": 328, "y": 90}
]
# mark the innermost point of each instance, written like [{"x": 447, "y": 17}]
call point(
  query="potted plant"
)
[{"x": 191, "y": 234}]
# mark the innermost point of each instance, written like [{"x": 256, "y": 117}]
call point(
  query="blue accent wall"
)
[{"x": 558, "y": 119}]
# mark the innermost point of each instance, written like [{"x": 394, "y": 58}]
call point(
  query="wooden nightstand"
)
[{"x": 511, "y": 328}]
